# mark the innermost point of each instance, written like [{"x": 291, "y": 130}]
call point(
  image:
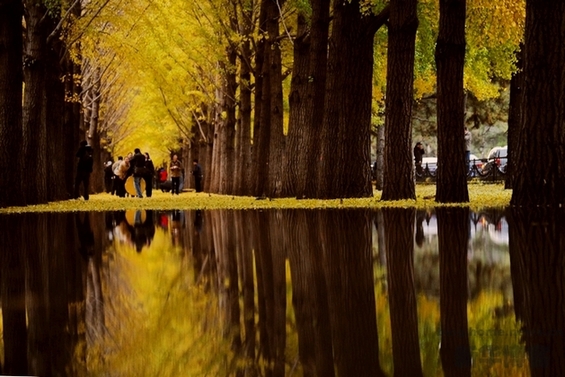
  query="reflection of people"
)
[
  {"x": 85, "y": 235},
  {"x": 198, "y": 222},
  {"x": 84, "y": 168},
  {"x": 176, "y": 170},
  {"x": 197, "y": 173},
  {"x": 143, "y": 231},
  {"x": 420, "y": 217},
  {"x": 418, "y": 154}
]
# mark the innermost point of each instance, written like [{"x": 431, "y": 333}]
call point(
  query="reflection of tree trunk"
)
[
  {"x": 309, "y": 294},
  {"x": 271, "y": 286},
  {"x": 399, "y": 228},
  {"x": 453, "y": 232},
  {"x": 12, "y": 293},
  {"x": 247, "y": 285},
  {"x": 224, "y": 233},
  {"x": 539, "y": 236},
  {"x": 346, "y": 237}
]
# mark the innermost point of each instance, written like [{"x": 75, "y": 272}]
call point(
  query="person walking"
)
[
  {"x": 148, "y": 176},
  {"x": 121, "y": 170},
  {"x": 197, "y": 173},
  {"x": 468, "y": 138},
  {"x": 176, "y": 170},
  {"x": 418, "y": 155},
  {"x": 84, "y": 168},
  {"x": 138, "y": 163}
]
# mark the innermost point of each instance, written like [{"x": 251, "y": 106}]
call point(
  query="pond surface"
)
[{"x": 283, "y": 293}]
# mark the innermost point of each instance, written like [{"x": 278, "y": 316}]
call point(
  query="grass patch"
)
[{"x": 480, "y": 195}]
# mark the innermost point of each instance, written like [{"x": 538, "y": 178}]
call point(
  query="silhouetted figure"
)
[
  {"x": 197, "y": 173},
  {"x": 84, "y": 168}
]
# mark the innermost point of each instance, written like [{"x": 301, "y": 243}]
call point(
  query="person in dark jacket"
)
[
  {"x": 84, "y": 168},
  {"x": 148, "y": 176},
  {"x": 138, "y": 163},
  {"x": 197, "y": 173}
]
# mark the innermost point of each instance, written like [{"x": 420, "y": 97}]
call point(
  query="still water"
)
[{"x": 396, "y": 292}]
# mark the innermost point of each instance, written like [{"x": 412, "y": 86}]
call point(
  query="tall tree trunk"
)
[
  {"x": 309, "y": 78},
  {"x": 11, "y": 78},
  {"x": 540, "y": 155},
  {"x": 295, "y": 170},
  {"x": 226, "y": 131},
  {"x": 261, "y": 128},
  {"x": 243, "y": 132},
  {"x": 450, "y": 59},
  {"x": 399, "y": 229},
  {"x": 345, "y": 138},
  {"x": 398, "y": 173},
  {"x": 515, "y": 115},
  {"x": 277, "y": 158},
  {"x": 93, "y": 134},
  {"x": 34, "y": 117},
  {"x": 453, "y": 233},
  {"x": 381, "y": 143}
]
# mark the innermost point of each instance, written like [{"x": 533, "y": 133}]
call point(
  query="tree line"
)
[{"x": 211, "y": 79}]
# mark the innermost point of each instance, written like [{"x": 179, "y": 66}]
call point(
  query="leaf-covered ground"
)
[{"x": 481, "y": 196}]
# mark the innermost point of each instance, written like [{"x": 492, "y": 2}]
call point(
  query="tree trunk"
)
[
  {"x": 276, "y": 135},
  {"x": 515, "y": 115},
  {"x": 450, "y": 59},
  {"x": 345, "y": 138},
  {"x": 295, "y": 171},
  {"x": 11, "y": 78},
  {"x": 34, "y": 121},
  {"x": 453, "y": 233},
  {"x": 399, "y": 229},
  {"x": 398, "y": 173},
  {"x": 540, "y": 154},
  {"x": 262, "y": 129},
  {"x": 226, "y": 131},
  {"x": 243, "y": 132},
  {"x": 304, "y": 130}
]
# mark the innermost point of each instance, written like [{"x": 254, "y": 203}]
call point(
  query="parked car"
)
[{"x": 497, "y": 156}]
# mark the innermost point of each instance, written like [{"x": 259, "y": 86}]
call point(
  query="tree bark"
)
[
  {"x": 398, "y": 173},
  {"x": 515, "y": 115},
  {"x": 345, "y": 138},
  {"x": 451, "y": 184},
  {"x": 34, "y": 121},
  {"x": 11, "y": 78},
  {"x": 540, "y": 154}
]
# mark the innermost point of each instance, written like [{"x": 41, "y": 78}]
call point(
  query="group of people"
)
[{"x": 137, "y": 164}]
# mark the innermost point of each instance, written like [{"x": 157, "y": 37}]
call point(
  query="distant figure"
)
[
  {"x": 138, "y": 163},
  {"x": 116, "y": 180},
  {"x": 121, "y": 171},
  {"x": 176, "y": 170},
  {"x": 84, "y": 168},
  {"x": 418, "y": 154},
  {"x": 468, "y": 139},
  {"x": 148, "y": 176},
  {"x": 197, "y": 173},
  {"x": 108, "y": 177}
]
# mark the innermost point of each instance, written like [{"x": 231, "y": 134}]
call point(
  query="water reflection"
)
[{"x": 283, "y": 293}]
